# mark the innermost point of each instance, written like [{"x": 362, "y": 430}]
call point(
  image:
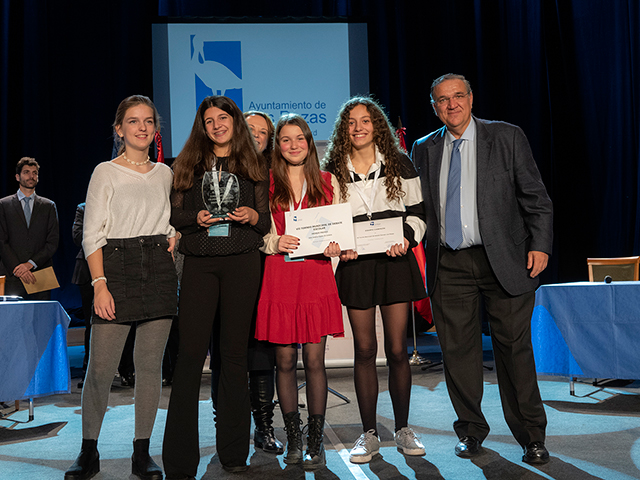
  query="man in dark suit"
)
[
  {"x": 489, "y": 235},
  {"x": 28, "y": 232}
]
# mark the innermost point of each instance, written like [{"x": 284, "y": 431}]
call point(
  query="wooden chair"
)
[{"x": 619, "y": 269}]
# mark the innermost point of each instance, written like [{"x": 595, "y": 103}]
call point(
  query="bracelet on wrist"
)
[{"x": 97, "y": 279}]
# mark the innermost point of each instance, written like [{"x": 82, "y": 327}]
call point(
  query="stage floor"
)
[{"x": 593, "y": 435}]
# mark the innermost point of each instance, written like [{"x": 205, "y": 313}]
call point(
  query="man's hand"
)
[
  {"x": 23, "y": 272},
  {"x": 537, "y": 262}
]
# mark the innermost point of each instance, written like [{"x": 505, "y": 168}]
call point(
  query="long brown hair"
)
[
  {"x": 282, "y": 192},
  {"x": 339, "y": 148},
  {"x": 125, "y": 105},
  {"x": 197, "y": 155}
]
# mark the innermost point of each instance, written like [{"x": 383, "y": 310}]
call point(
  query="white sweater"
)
[{"x": 122, "y": 203}]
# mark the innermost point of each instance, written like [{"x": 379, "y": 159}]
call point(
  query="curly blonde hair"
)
[{"x": 335, "y": 159}]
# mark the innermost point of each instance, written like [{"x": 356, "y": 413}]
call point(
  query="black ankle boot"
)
[
  {"x": 315, "y": 456},
  {"x": 261, "y": 390},
  {"x": 142, "y": 464},
  {"x": 87, "y": 464},
  {"x": 292, "y": 424}
]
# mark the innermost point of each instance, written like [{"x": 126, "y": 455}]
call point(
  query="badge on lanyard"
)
[{"x": 368, "y": 204}]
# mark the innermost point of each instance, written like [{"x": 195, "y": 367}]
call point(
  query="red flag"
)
[
  {"x": 400, "y": 133},
  {"x": 423, "y": 307},
  {"x": 158, "y": 139}
]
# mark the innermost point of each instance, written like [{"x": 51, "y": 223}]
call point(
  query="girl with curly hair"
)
[{"x": 379, "y": 181}]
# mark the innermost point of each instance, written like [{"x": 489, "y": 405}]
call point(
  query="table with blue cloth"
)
[
  {"x": 33, "y": 350},
  {"x": 587, "y": 329}
]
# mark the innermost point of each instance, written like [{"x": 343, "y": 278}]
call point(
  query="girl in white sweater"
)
[{"x": 128, "y": 241}]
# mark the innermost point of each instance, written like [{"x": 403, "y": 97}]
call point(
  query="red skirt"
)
[{"x": 299, "y": 301}]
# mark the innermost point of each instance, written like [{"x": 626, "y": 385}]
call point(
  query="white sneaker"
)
[
  {"x": 408, "y": 442},
  {"x": 365, "y": 447}
]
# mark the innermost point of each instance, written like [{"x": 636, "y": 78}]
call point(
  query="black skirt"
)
[
  {"x": 141, "y": 278},
  {"x": 378, "y": 279}
]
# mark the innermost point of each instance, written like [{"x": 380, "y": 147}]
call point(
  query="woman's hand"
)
[
  {"x": 244, "y": 215},
  {"x": 204, "y": 219},
  {"x": 288, "y": 243},
  {"x": 103, "y": 303},
  {"x": 398, "y": 250},
  {"x": 347, "y": 255},
  {"x": 172, "y": 246},
  {"x": 332, "y": 250}
]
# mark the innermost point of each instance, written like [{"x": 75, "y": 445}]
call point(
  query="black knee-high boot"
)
[
  {"x": 87, "y": 464},
  {"x": 261, "y": 390}
]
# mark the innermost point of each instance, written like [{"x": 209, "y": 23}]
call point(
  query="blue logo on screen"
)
[{"x": 221, "y": 71}]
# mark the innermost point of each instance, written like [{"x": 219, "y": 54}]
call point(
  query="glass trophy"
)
[{"x": 220, "y": 192}]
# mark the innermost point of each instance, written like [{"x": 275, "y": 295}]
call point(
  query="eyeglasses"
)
[{"x": 458, "y": 97}]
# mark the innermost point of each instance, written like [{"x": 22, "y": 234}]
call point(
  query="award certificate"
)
[
  {"x": 377, "y": 236},
  {"x": 316, "y": 227}
]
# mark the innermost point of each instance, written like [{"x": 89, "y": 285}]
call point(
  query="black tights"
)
[
  {"x": 394, "y": 319},
  {"x": 316, "y": 377}
]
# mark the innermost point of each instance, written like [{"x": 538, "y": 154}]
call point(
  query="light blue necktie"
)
[
  {"x": 27, "y": 210},
  {"x": 453, "y": 224}
]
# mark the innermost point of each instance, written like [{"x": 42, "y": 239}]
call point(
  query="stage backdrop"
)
[{"x": 258, "y": 66}]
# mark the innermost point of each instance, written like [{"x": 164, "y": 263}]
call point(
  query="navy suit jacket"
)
[
  {"x": 515, "y": 213},
  {"x": 19, "y": 243}
]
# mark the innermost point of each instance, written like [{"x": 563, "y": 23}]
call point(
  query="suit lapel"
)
[
  {"x": 483, "y": 154},
  {"x": 434, "y": 150},
  {"x": 17, "y": 205}
]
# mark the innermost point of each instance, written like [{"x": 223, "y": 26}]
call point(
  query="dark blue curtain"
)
[{"x": 567, "y": 72}]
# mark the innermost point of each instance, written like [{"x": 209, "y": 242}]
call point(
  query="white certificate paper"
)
[
  {"x": 316, "y": 227},
  {"x": 377, "y": 236}
]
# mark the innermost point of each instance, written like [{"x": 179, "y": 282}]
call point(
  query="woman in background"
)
[
  {"x": 128, "y": 242},
  {"x": 262, "y": 360},
  {"x": 262, "y": 129},
  {"x": 221, "y": 274},
  {"x": 379, "y": 181},
  {"x": 299, "y": 301}
]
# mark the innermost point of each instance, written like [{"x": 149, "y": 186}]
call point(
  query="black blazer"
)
[
  {"x": 81, "y": 273},
  {"x": 515, "y": 213},
  {"x": 19, "y": 243}
]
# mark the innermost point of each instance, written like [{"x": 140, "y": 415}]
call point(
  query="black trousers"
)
[
  {"x": 231, "y": 285},
  {"x": 464, "y": 276}
]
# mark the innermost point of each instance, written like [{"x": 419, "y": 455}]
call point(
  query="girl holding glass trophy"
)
[
  {"x": 220, "y": 204},
  {"x": 380, "y": 183},
  {"x": 299, "y": 301}
]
